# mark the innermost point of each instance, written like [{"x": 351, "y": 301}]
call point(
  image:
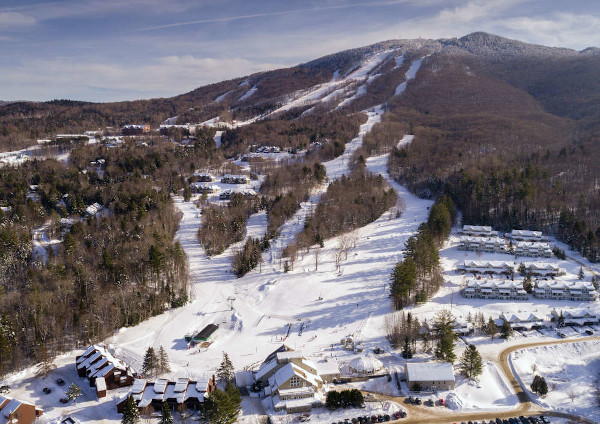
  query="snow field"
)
[{"x": 570, "y": 369}]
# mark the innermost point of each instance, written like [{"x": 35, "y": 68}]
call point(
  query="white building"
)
[
  {"x": 523, "y": 321},
  {"x": 208, "y": 188},
  {"x": 486, "y": 267},
  {"x": 482, "y": 244},
  {"x": 533, "y": 249},
  {"x": 292, "y": 382},
  {"x": 526, "y": 235},
  {"x": 429, "y": 376},
  {"x": 545, "y": 269},
  {"x": 478, "y": 231},
  {"x": 577, "y": 318},
  {"x": 563, "y": 290},
  {"x": 495, "y": 289}
]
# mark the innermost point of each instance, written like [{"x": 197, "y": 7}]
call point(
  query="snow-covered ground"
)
[
  {"x": 571, "y": 371},
  {"x": 410, "y": 74}
]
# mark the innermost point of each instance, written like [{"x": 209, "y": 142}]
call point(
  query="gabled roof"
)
[
  {"x": 429, "y": 371},
  {"x": 289, "y": 370}
]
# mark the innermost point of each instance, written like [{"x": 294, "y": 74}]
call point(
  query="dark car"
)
[
  {"x": 417, "y": 401},
  {"x": 373, "y": 418},
  {"x": 429, "y": 402},
  {"x": 60, "y": 381},
  {"x": 4, "y": 389},
  {"x": 64, "y": 400},
  {"x": 47, "y": 390},
  {"x": 386, "y": 417}
]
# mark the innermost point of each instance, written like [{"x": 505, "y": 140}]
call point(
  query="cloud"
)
[
  {"x": 271, "y": 14},
  {"x": 166, "y": 76},
  {"x": 14, "y": 19},
  {"x": 557, "y": 29}
]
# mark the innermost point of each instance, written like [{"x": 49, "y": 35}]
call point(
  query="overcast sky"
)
[{"x": 108, "y": 50}]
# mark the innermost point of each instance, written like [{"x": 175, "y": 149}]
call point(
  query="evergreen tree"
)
[
  {"x": 506, "y": 330},
  {"x": 560, "y": 322},
  {"x": 73, "y": 392},
  {"x": 131, "y": 414},
  {"x": 403, "y": 278},
  {"x": 528, "y": 284},
  {"x": 225, "y": 372},
  {"x": 539, "y": 385},
  {"x": 407, "y": 349},
  {"x": 150, "y": 365},
  {"x": 444, "y": 330},
  {"x": 333, "y": 399},
  {"x": 166, "y": 417},
  {"x": 223, "y": 406},
  {"x": 491, "y": 328},
  {"x": 471, "y": 364},
  {"x": 581, "y": 274},
  {"x": 163, "y": 361}
]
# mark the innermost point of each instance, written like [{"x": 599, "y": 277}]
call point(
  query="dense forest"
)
[
  {"x": 114, "y": 266},
  {"x": 495, "y": 150}
]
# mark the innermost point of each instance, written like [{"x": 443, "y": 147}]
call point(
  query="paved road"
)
[{"x": 436, "y": 415}]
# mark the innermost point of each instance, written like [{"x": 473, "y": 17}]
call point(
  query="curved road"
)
[{"x": 429, "y": 415}]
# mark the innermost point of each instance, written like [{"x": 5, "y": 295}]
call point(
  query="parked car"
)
[
  {"x": 4, "y": 389},
  {"x": 429, "y": 402},
  {"x": 64, "y": 400},
  {"x": 60, "y": 381},
  {"x": 417, "y": 401},
  {"x": 47, "y": 390}
]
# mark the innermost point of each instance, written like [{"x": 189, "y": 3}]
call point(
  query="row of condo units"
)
[
  {"x": 565, "y": 290},
  {"x": 527, "y": 321},
  {"x": 499, "y": 245},
  {"x": 509, "y": 268},
  {"x": 180, "y": 395},
  {"x": 544, "y": 289},
  {"x": 494, "y": 289},
  {"x": 515, "y": 235},
  {"x": 483, "y": 239}
]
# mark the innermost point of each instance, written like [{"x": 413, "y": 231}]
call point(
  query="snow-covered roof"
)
[
  {"x": 181, "y": 385},
  {"x": 286, "y": 356},
  {"x": 477, "y": 228},
  {"x": 526, "y": 233},
  {"x": 365, "y": 364},
  {"x": 160, "y": 385},
  {"x": 265, "y": 368},
  {"x": 100, "y": 384},
  {"x": 328, "y": 367},
  {"x": 296, "y": 391},
  {"x": 429, "y": 371},
  {"x": 289, "y": 370},
  {"x": 139, "y": 384},
  {"x": 11, "y": 407}
]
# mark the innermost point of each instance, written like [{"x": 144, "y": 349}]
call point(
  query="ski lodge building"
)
[
  {"x": 429, "y": 376},
  {"x": 293, "y": 382},
  {"x": 482, "y": 244}
]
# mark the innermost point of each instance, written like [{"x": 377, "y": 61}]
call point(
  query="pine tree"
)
[
  {"x": 225, "y": 372},
  {"x": 471, "y": 363},
  {"x": 166, "y": 417},
  {"x": 581, "y": 274},
  {"x": 73, "y": 392},
  {"x": 506, "y": 330},
  {"x": 560, "y": 322},
  {"x": 539, "y": 385},
  {"x": 407, "y": 349},
  {"x": 491, "y": 328},
  {"x": 150, "y": 365},
  {"x": 131, "y": 414},
  {"x": 444, "y": 329},
  {"x": 223, "y": 406},
  {"x": 163, "y": 361}
]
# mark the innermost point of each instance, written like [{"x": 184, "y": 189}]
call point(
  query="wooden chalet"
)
[{"x": 103, "y": 370}]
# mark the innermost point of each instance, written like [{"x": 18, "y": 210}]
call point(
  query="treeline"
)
[
  {"x": 286, "y": 187},
  {"x": 419, "y": 276},
  {"x": 223, "y": 226},
  {"x": 112, "y": 269},
  {"x": 350, "y": 202}
]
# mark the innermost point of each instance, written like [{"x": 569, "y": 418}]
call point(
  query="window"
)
[{"x": 295, "y": 381}]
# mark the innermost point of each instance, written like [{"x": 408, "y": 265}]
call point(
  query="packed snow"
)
[{"x": 410, "y": 74}]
